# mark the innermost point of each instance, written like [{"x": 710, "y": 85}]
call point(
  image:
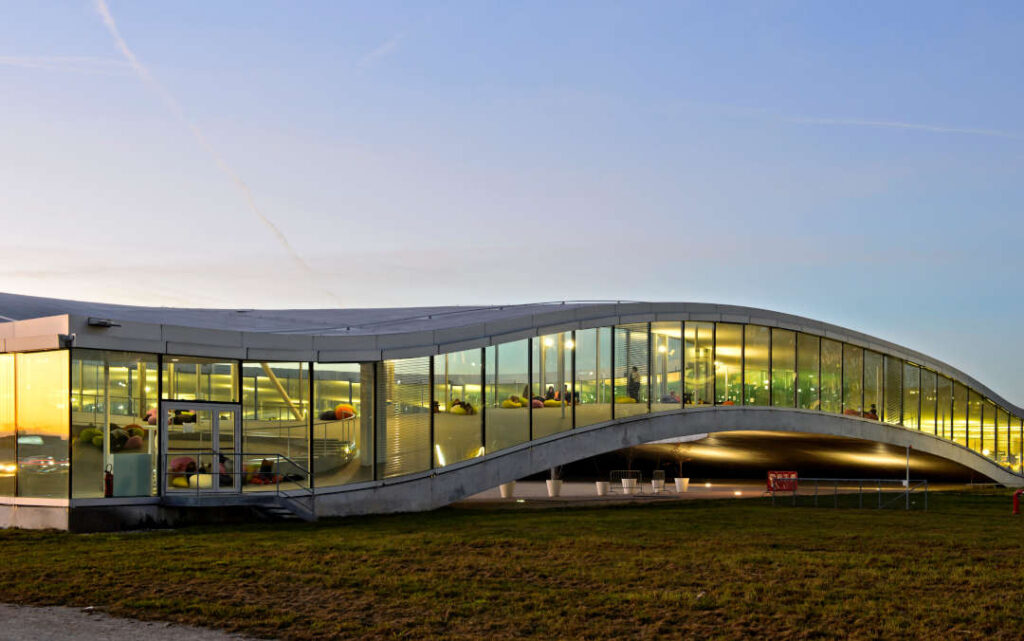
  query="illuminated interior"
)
[{"x": 76, "y": 414}]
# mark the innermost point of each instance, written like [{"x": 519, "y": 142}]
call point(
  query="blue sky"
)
[{"x": 858, "y": 163}]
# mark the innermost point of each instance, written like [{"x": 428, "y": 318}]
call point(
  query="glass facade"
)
[
  {"x": 551, "y": 405},
  {"x": 975, "y": 409},
  {"x": 8, "y": 428},
  {"x": 853, "y": 380},
  {"x": 114, "y": 422},
  {"x": 944, "y": 407},
  {"x": 728, "y": 364},
  {"x": 960, "y": 414},
  {"x": 188, "y": 378},
  {"x": 989, "y": 446},
  {"x": 343, "y": 413},
  {"x": 458, "y": 399},
  {"x": 757, "y": 365},
  {"x": 831, "y": 376},
  {"x": 893, "y": 390},
  {"x": 929, "y": 400},
  {"x": 874, "y": 384},
  {"x": 667, "y": 369},
  {"x": 632, "y": 364},
  {"x": 42, "y": 399},
  {"x": 699, "y": 363},
  {"x": 88, "y": 411},
  {"x": 911, "y": 396},
  {"x": 404, "y": 434},
  {"x": 783, "y": 368},
  {"x": 808, "y": 367},
  {"x": 507, "y": 383}
]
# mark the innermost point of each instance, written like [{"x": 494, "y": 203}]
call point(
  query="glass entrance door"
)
[{"x": 199, "y": 443}]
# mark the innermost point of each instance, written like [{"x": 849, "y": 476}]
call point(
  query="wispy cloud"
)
[
  {"x": 75, "y": 64},
  {"x": 383, "y": 50},
  {"x": 176, "y": 108},
  {"x": 889, "y": 124}
]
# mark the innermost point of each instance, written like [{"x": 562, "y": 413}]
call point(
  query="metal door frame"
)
[{"x": 215, "y": 408}]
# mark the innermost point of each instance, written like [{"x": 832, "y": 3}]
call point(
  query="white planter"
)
[
  {"x": 657, "y": 485},
  {"x": 630, "y": 486},
  {"x": 554, "y": 487},
  {"x": 507, "y": 490},
  {"x": 682, "y": 484},
  {"x": 602, "y": 487}
]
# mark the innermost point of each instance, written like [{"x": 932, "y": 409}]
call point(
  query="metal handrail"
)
[{"x": 303, "y": 484}]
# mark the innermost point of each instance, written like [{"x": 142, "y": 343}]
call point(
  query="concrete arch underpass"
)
[{"x": 446, "y": 485}]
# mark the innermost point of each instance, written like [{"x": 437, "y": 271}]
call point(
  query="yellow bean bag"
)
[
  {"x": 509, "y": 404},
  {"x": 202, "y": 481},
  {"x": 179, "y": 481},
  {"x": 458, "y": 409},
  {"x": 552, "y": 403},
  {"x": 625, "y": 400}
]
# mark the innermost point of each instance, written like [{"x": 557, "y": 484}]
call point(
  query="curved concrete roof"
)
[{"x": 338, "y": 335}]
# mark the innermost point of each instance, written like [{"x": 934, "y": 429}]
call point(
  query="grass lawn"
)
[{"x": 697, "y": 569}]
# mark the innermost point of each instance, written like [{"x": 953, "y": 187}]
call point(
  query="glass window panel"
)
[
  {"x": 874, "y": 383},
  {"x": 42, "y": 398},
  {"x": 808, "y": 368},
  {"x": 1003, "y": 438},
  {"x": 189, "y": 378},
  {"x": 960, "y": 407},
  {"x": 700, "y": 376},
  {"x": 632, "y": 383},
  {"x": 343, "y": 407},
  {"x": 974, "y": 412},
  {"x": 783, "y": 368},
  {"x": 114, "y": 422},
  {"x": 458, "y": 421},
  {"x": 928, "y": 401},
  {"x": 944, "y": 407},
  {"x": 757, "y": 365},
  {"x": 853, "y": 378},
  {"x": 403, "y": 444},
  {"x": 8, "y": 431},
  {"x": 911, "y": 396},
  {"x": 831, "y": 376},
  {"x": 893, "y": 373},
  {"x": 552, "y": 384},
  {"x": 508, "y": 390},
  {"x": 667, "y": 377},
  {"x": 275, "y": 416},
  {"x": 728, "y": 364},
  {"x": 1016, "y": 457},
  {"x": 988, "y": 430}
]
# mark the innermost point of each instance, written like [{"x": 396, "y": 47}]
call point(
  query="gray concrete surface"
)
[{"x": 22, "y": 623}]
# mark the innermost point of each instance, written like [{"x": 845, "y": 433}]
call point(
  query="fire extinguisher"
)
[{"x": 108, "y": 482}]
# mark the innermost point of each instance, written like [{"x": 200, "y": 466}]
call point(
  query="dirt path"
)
[{"x": 21, "y": 623}]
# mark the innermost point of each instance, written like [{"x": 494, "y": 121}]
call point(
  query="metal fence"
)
[{"x": 855, "y": 493}]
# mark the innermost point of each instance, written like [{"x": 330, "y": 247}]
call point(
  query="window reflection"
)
[
  {"x": 667, "y": 375},
  {"x": 42, "y": 398},
  {"x": 458, "y": 420},
  {"x": 593, "y": 376},
  {"x": 404, "y": 437},
  {"x": 342, "y": 423},
  {"x": 757, "y": 365},
  {"x": 507, "y": 382},
  {"x": 699, "y": 363},
  {"x": 114, "y": 422},
  {"x": 190, "y": 378},
  {"x": 728, "y": 364}
]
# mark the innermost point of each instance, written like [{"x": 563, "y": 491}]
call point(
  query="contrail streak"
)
[
  {"x": 887, "y": 124},
  {"x": 175, "y": 107}
]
